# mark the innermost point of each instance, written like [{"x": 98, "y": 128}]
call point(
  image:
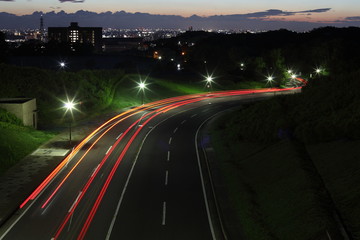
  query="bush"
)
[{"x": 8, "y": 117}]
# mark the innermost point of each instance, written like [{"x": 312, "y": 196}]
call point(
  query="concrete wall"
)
[{"x": 23, "y": 108}]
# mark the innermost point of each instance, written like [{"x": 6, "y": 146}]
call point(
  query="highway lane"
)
[{"x": 155, "y": 193}]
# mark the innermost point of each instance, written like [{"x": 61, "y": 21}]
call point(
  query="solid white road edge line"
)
[{"x": 202, "y": 180}]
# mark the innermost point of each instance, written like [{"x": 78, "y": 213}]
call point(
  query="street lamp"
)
[
  {"x": 69, "y": 106},
  {"x": 62, "y": 64},
  {"x": 209, "y": 80},
  {"x": 270, "y": 79},
  {"x": 318, "y": 71},
  {"x": 142, "y": 87}
]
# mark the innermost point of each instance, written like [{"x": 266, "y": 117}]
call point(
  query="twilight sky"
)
[
  {"x": 340, "y": 9},
  {"x": 260, "y": 12}
]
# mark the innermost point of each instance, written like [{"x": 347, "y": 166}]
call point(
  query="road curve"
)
[{"x": 138, "y": 176}]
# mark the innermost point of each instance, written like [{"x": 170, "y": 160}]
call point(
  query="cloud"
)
[
  {"x": 277, "y": 12},
  {"x": 73, "y": 1},
  {"x": 355, "y": 18},
  {"x": 320, "y": 10}
]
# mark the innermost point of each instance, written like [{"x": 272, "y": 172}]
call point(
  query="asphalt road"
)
[{"x": 139, "y": 176}]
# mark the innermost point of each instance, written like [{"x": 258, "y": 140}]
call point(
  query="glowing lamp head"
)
[
  {"x": 62, "y": 64},
  {"x": 209, "y": 79},
  {"x": 69, "y": 105},
  {"x": 141, "y": 85},
  {"x": 270, "y": 78},
  {"x": 289, "y": 71},
  {"x": 293, "y": 76},
  {"x": 318, "y": 70}
]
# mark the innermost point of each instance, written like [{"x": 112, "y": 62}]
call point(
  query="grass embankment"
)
[
  {"x": 17, "y": 141},
  {"x": 128, "y": 94},
  {"x": 291, "y": 162}
]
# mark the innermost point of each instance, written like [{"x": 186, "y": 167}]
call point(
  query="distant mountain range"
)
[{"x": 122, "y": 19}]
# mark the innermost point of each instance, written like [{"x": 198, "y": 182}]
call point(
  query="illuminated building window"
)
[{"x": 74, "y": 36}]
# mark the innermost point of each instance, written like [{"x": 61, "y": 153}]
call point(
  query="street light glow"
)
[
  {"x": 141, "y": 85},
  {"x": 270, "y": 78},
  {"x": 209, "y": 79},
  {"x": 69, "y": 105},
  {"x": 62, "y": 64},
  {"x": 293, "y": 76}
]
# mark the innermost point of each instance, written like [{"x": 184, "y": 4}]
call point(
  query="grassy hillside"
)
[{"x": 291, "y": 162}]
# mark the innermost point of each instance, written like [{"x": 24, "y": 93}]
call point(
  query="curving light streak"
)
[
  {"x": 134, "y": 111},
  {"x": 172, "y": 103},
  {"x": 110, "y": 176},
  {"x": 84, "y": 190},
  {"x": 108, "y": 180}
]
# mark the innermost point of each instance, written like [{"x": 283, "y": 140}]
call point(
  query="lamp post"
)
[
  {"x": 209, "y": 80},
  {"x": 69, "y": 106},
  {"x": 142, "y": 86},
  {"x": 270, "y": 79}
]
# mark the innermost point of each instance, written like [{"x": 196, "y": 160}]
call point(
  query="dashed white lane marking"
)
[
  {"x": 175, "y": 130},
  {"x": 95, "y": 170},
  {"x": 166, "y": 177},
  {"x": 108, "y": 150},
  {"x": 119, "y": 136},
  {"x": 193, "y": 115},
  {"x": 168, "y": 156},
  {"x": 164, "y": 214},
  {"x": 184, "y": 121},
  {"x": 77, "y": 198},
  {"x": 170, "y": 140}
]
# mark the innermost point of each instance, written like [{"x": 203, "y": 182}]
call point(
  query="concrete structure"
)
[
  {"x": 75, "y": 34},
  {"x": 23, "y": 108}
]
